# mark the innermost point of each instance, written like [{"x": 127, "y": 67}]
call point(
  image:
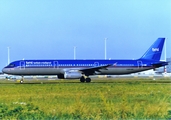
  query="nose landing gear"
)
[{"x": 22, "y": 80}]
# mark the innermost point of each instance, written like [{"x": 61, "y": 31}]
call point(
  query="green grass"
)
[{"x": 101, "y": 99}]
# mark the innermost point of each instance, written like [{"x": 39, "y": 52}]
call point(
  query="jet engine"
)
[{"x": 72, "y": 75}]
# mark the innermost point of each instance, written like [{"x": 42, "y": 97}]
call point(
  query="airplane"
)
[{"x": 82, "y": 69}]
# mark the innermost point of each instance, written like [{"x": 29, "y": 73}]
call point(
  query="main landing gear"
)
[{"x": 83, "y": 79}]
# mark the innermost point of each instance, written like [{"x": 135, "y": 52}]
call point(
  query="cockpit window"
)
[{"x": 11, "y": 65}]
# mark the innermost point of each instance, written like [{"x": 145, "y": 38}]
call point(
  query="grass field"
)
[{"x": 100, "y": 99}]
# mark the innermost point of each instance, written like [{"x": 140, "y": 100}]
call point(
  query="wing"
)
[{"x": 92, "y": 70}]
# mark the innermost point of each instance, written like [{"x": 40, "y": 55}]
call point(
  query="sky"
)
[{"x": 50, "y": 29}]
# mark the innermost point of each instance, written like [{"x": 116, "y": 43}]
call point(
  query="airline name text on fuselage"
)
[{"x": 37, "y": 63}]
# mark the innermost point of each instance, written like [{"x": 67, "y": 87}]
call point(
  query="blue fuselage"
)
[{"x": 55, "y": 67}]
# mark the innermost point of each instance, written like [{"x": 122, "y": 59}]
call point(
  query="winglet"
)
[{"x": 155, "y": 51}]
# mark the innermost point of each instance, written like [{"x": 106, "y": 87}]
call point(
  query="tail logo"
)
[{"x": 155, "y": 49}]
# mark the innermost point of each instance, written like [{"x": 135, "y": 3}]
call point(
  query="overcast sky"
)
[{"x": 49, "y": 29}]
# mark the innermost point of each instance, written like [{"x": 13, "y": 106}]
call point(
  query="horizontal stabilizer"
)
[{"x": 160, "y": 64}]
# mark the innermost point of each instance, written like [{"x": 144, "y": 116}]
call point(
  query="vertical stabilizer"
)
[{"x": 155, "y": 51}]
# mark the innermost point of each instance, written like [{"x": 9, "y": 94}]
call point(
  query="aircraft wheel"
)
[
  {"x": 88, "y": 80},
  {"x": 21, "y": 81},
  {"x": 82, "y": 79}
]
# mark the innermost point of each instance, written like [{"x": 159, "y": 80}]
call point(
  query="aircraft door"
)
[
  {"x": 140, "y": 64},
  {"x": 55, "y": 63},
  {"x": 22, "y": 65}
]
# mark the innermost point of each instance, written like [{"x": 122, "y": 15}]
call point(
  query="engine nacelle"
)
[
  {"x": 97, "y": 73},
  {"x": 72, "y": 75}
]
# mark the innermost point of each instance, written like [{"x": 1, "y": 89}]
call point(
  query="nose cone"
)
[{"x": 5, "y": 70}]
